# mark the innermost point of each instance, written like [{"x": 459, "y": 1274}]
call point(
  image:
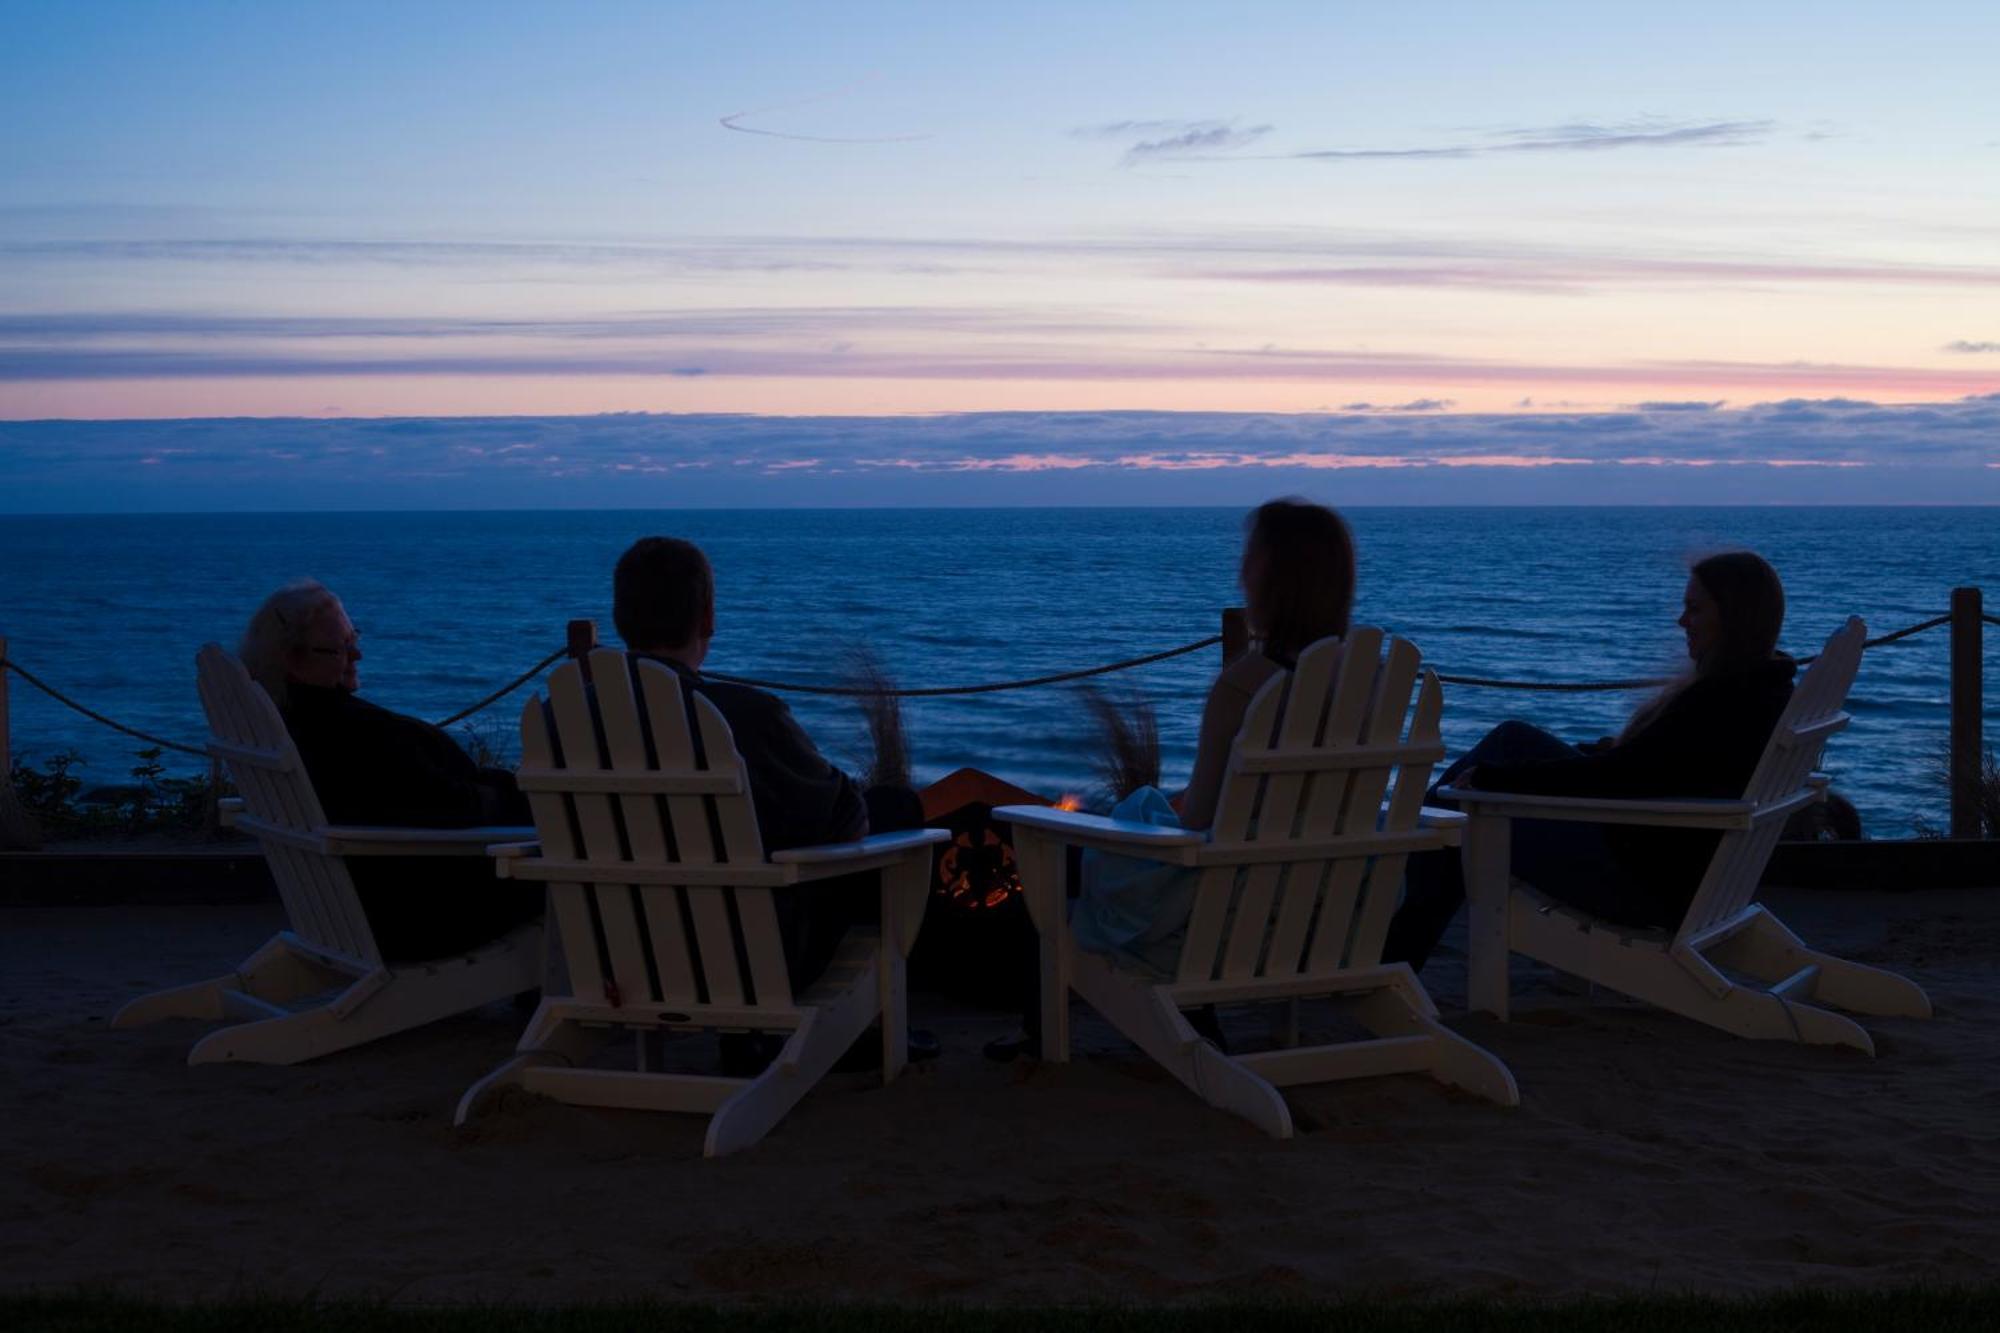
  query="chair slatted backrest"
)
[
  {"x": 1319, "y": 748},
  {"x": 247, "y": 733},
  {"x": 1810, "y": 718},
  {"x": 679, "y": 945}
]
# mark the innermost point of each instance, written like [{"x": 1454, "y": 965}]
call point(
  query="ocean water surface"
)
[{"x": 112, "y": 609}]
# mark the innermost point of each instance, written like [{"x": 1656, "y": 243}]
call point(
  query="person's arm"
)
[
  {"x": 1690, "y": 749},
  {"x": 383, "y": 768},
  {"x": 1221, "y": 719},
  {"x": 801, "y": 797}
]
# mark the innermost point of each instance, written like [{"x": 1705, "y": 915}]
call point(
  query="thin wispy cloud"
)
[
  {"x": 775, "y": 347},
  {"x": 1337, "y": 257},
  {"x": 1972, "y": 348},
  {"x": 1150, "y": 141},
  {"x": 70, "y": 327},
  {"x": 1576, "y": 137},
  {"x": 1414, "y": 405},
  {"x": 735, "y": 121}
]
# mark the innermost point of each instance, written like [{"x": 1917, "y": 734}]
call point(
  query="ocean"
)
[{"x": 112, "y": 609}]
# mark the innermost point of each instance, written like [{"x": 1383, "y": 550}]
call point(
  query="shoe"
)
[
  {"x": 1207, "y": 1023},
  {"x": 866, "y": 1052},
  {"x": 747, "y": 1054},
  {"x": 1004, "y": 1049}
]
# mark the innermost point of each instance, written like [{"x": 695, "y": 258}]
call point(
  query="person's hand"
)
[
  {"x": 1598, "y": 746},
  {"x": 1469, "y": 778}
]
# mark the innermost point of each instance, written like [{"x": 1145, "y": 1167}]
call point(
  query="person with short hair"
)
[
  {"x": 663, "y": 604},
  {"x": 1700, "y": 736},
  {"x": 371, "y": 766}
]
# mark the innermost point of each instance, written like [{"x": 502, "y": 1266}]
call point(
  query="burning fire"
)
[{"x": 1070, "y": 801}]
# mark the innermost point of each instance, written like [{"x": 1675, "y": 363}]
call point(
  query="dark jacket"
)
[
  {"x": 1705, "y": 743},
  {"x": 801, "y": 799},
  {"x": 371, "y": 766}
]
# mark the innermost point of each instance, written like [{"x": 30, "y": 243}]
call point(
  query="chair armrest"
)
[
  {"x": 1678, "y": 812},
  {"x": 504, "y": 855},
  {"x": 1072, "y": 828},
  {"x": 355, "y": 840},
  {"x": 875, "y": 844},
  {"x": 1451, "y": 822}
]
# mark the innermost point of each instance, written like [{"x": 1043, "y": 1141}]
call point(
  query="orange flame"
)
[{"x": 1070, "y": 801}]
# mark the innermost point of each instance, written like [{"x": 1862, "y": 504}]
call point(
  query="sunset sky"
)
[{"x": 1368, "y": 213}]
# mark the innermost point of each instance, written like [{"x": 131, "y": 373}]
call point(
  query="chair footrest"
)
[
  {"x": 631, "y": 1091},
  {"x": 1353, "y": 1059}
]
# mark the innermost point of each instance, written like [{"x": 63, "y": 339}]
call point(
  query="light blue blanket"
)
[{"x": 1132, "y": 909}]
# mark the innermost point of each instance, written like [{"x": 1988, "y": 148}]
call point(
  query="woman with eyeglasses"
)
[{"x": 369, "y": 765}]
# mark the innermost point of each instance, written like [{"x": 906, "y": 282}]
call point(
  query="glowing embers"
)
[
  {"x": 977, "y": 943},
  {"x": 976, "y": 870}
]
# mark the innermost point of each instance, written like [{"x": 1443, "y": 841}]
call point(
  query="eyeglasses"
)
[{"x": 352, "y": 648}]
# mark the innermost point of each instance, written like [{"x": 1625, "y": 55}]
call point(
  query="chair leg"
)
[
  {"x": 275, "y": 973},
  {"x": 1454, "y": 1060},
  {"x": 825, "y": 1033},
  {"x": 892, "y": 1003},
  {"x": 1767, "y": 950},
  {"x": 1147, "y": 1016},
  {"x": 549, "y": 1040},
  {"x": 377, "y": 1004}
]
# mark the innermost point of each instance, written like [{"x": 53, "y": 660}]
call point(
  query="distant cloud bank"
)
[{"x": 1799, "y": 449}]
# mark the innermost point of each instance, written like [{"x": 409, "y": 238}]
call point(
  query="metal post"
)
[
  {"x": 18, "y": 828},
  {"x": 1967, "y": 751},
  {"x": 582, "y": 638},
  {"x": 6, "y": 755},
  {"x": 1235, "y": 634},
  {"x": 212, "y": 816}
]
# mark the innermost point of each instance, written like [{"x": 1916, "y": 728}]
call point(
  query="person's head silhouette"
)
[
  {"x": 1297, "y": 575},
  {"x": 663, "y": 599},
  {"x": 1733, "y": 611}
]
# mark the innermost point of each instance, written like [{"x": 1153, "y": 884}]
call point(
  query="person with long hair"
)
[
  {"x": 1297, "y": 573},
  {"x": 1701, "y": 736}
]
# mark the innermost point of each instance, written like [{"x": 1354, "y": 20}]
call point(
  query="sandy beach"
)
[{"x": 1648, "y": 1153}]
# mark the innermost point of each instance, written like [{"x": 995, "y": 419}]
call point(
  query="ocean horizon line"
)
[{"x": 1023, "y": 507}]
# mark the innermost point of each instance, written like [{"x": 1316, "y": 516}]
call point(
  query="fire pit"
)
[{"x": 977, "y": 944}]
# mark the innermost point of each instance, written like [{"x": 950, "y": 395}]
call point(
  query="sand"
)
[{"x": 1648, "y": 1153}]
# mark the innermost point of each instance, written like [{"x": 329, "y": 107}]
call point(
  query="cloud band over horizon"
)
[{"x": 1852, "y": 450}]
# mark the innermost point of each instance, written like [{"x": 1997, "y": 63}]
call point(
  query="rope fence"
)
[{"x": 939, "y": 691}]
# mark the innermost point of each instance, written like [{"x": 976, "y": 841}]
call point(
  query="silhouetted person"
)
[
  {"x": 663, "y": 603},
  {"x": 371, "y": 766},
  {"x": 1699, "y": 737},
  {"x": 1297, "y": 575}
]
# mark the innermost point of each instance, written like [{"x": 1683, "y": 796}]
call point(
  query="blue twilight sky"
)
[{"x": 939, "y": 251}]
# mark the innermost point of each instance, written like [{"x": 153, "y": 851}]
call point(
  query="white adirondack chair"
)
[
  {"x": 662, "y": 895},
  {"x": 1300, "y": 874},
  {"x": 322, "y": 985},
  {"x": 1688, "y": 969}
]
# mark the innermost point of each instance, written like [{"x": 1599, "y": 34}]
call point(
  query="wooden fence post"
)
[
  {"x": 18, "y": 830},
  {"x": 1235, "y": 634},
  {"x": 6, "y": 754},
  {"x": 1967, "y": 749},
  {"x": 582, "y": 638}
]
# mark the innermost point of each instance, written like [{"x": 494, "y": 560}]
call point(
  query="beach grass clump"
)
[
  {"x": 882, "y": 713},
  {"x": 1893, "y": 1310},
  {"x": 1127, "y": 755}
]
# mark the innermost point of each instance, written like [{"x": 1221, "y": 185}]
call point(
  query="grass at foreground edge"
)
[{"x": 1929, "y": 1309}]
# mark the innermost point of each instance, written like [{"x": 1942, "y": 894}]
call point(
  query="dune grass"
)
[{"x": 1930, "y": 1309}]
